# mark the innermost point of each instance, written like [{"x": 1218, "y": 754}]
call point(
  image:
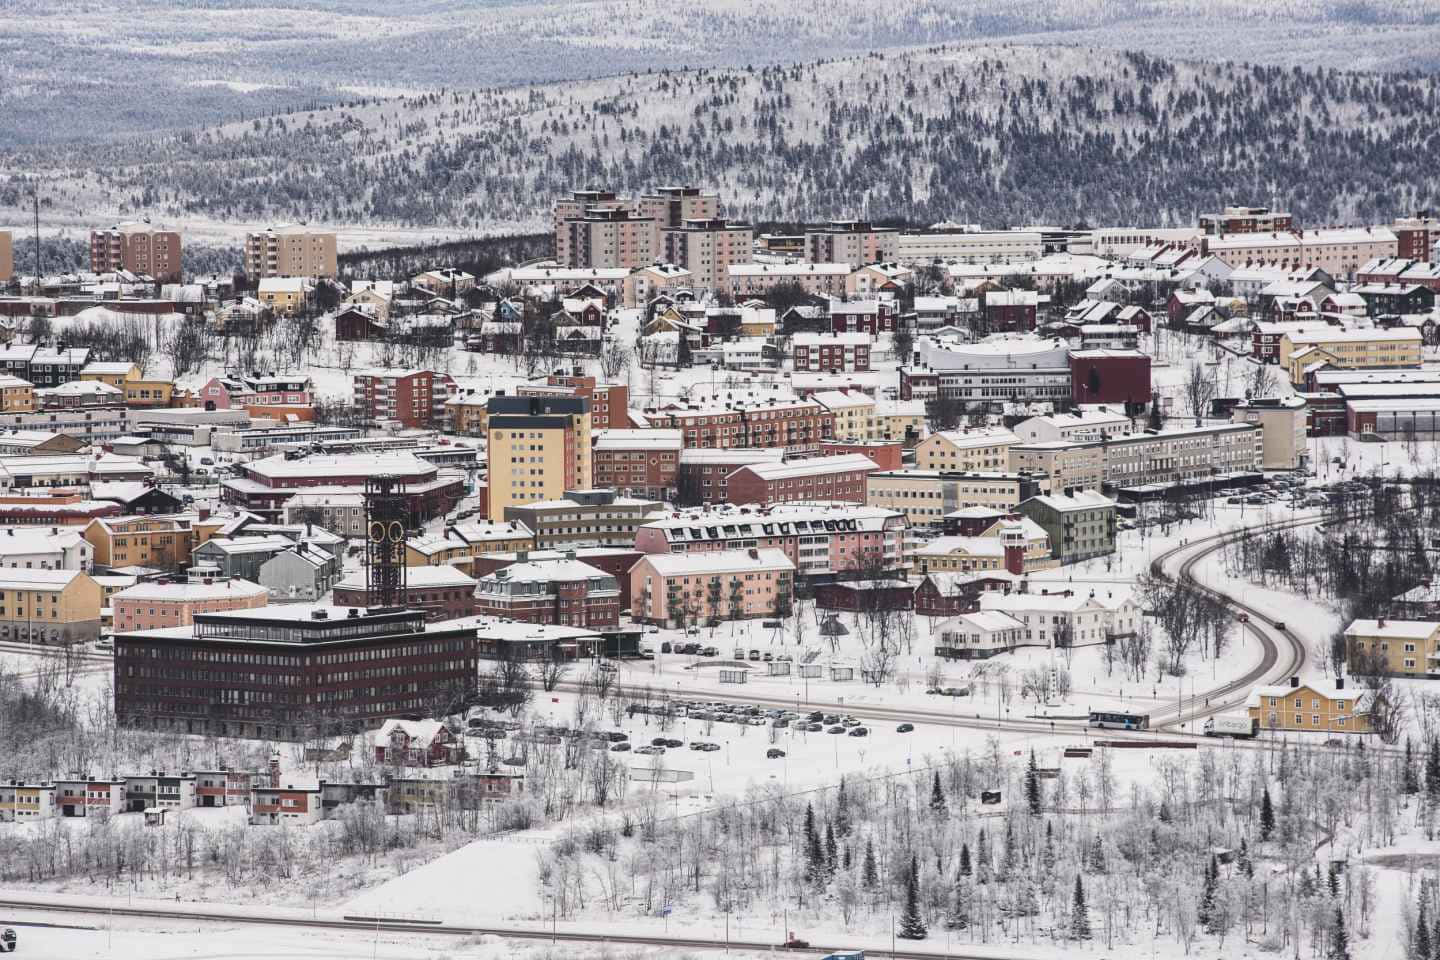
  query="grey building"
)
[
  {"x": 1080, "y": 525},
  {"x": 241, "y": 557},
  {"x": 585, "y": 518},
  {"x": 303, "y": 573}
]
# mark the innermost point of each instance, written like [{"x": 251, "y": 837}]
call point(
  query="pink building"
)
[
  {"x": 854, "y": 538},
  {"x": 150, "y": 606},
  {"x": 224, "y": 393},
  {"x": 677, "y": 589}
]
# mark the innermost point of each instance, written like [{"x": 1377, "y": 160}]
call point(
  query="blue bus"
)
[{"x": 1119, "y": 721}]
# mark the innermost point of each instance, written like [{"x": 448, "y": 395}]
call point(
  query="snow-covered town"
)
[{"x": 678, "y": 581}]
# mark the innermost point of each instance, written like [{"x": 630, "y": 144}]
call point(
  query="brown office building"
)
[
  {"x": 138, "y": 247},
  {"x": 273, "y": 672}
]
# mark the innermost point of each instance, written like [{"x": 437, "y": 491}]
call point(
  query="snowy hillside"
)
[{"x": 998, "y": 134}]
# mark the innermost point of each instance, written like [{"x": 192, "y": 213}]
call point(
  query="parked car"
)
[
  {"x": 905, "y": 728},
  {"x": 621, "y": 747},
  {"x": 850, "y": 722},
  {"x": 651, "y": 751},
  {"x": 774, "y": 753},
  {"x": 814, "y": 727},
  {"x": 709, "y": 652},
  {"x": 780, "y": 722},
  {"x": 659, "y": 742},
  {"x": 859, "y": 732},
  {"x": 673, "y": 744},
  {"x": 697, "y": 745},
  {"x": 710, "y": 748},
  {"x": 665, "y": 647},
  {"x": 755, "y": 655},
  {"x": 836, "y": 729}
]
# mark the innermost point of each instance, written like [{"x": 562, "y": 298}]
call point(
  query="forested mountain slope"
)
[
  {"x": 73, "y": 70},
  {"x": 1001, "y": 135}
]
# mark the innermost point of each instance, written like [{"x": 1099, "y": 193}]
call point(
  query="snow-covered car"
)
[{"x": 651, "y": 750}]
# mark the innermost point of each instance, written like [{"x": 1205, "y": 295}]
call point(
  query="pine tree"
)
[
  {"x": 1032, "y": 784},
  {"x": 842, "y": 811},
  {"x": 869, "y": 876},
  {"x": 965, "y": 868},
  {"x": 1423, "y": 948},
  {"x": 1164, "y": 813},
  {"x": 845, "y": 857},
  {"x": 1079, "y": 913},
  {"x": 1339, "y": 938},
  {"x": 1097, "y": 855},
  {"x": 1411, "y": 782},
  {"x": 959, "y": 918},
  {"x": 1049, "y": 852},
  {"x": 982, "y": 858},
  {"x": 814, "y": 856},
  {"x": 1267, "y": 815},
  {"x": 1333, "y": 881},
  {"x": 832, "y": 856},
  {"x": 1246, "y": 867},
  {"x": 937, "y": 798},
  {"x": 1205, "y": 913},
  {"x": 1432, "y": 771},
  {"x": 1007, "y": 863},
  {"x": 912, "y": 925}
]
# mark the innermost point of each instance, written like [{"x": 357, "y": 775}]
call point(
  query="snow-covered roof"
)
[
  {"x": 1079, "y": 500},
  {"x": 732, "y": 455},
  {"x": 192, "y": 591},
  {"x": 420, "y": 733},
  {"x": 789, "y": 269},
  {"x": 658, "y": 439},
  {"x": 842, "y": 339},
  {"x": 972, "y": 439},
  {"x": 985, "y": 621},
  {"x": 718, "y": 562},
  {"x": 1393, "y": 629},
  {"x": 1281, "y": 691},
  {"x": 811, "y": 467}
]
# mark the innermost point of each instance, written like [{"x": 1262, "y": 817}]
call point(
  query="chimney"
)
[
  {"x": 1295, "y": 682},
  {"x": 1380, "y": 623},
  {"x": 274, "y": 769},
  {"x": 1339, "y": 683},
  {"x": 204, "y": 514}
]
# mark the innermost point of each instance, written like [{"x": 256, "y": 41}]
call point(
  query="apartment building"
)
[
  {"x": 1079, "y": 427},
  {"x": 991, "y": 373},
  {"x": 666, "y": 208},
  {"x": 16, "y": 395},
  {"x": 1068, "y": 617},
  {"x": 1065, "y": 464},
  {"x": 701, "y": 473},
  {"x": 1015, "y": 546},
  {"x": 1186, "y": 454},
  {"x": 966, "y": 450},
  {"x": 676, "y": 589},
  {"x": 1282, "y": 423},
  {"x": 152, "y": 605},
  {"x": 970, "y": 246},
  {"x": 49, "y": 606},
  {"x": 822, "y": 479},
  {"x": 442, "y": 592},
  {"x": 1353, "y": 349},
  {"x": 290, "y": 250},
  {"x": 138, "y": 247},
  {"x": 1245, "y": 220},
  {"x": 926, "y": 496},
  {"x": 831, "y": 352},
  {"x": 1402, "y": 648},
  {"x": 1315, "y": 708},
  {"x": 7, "y": 257},
  {"x": 284, "y": 296},
  {"x": 1339, "y": 252},
  {"x": 265, "y": 486},
  {"x": 817, "y": 279},
  {"x": 538, "y": 448},
  {"x": 796, "y": 426},
  {"x": 825, "y": 542},
  {"x": 609, "y": 237},
  {"x": 707, "y": 248},
  {"x": 163, "y": 543},
  {"x": 410, "y": 398},
  {"x": 609, "y": 402},
  {"x": 461, "y": 543},
  {"x": 640, "y": 463},
  {"x": 854, "y": 413},
  {"x": 1080, "y": 525},
  {"x": 584, "y": 518},
  {"x": 565, "y": 591},
  {"x": 852, "y": 242},
  {"x": 1416, "y": 238}
]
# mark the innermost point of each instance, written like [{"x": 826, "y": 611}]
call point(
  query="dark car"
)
[
  {"x": 905, "y": 728},
  {"x": 814, "y": 727},
  {"x": 615, "y": 736},
  {"x": 696, "y": 745},
  {"x": 621, "y": 747},
  {"x": 859, "y": 732},
  {"x": 815, "y": 716},
  {"x": 660, "y": 742},
  {"x": 1279, "y": 624},
  {"x": 795, "y": 943},
  {"x": 774, "y": 753},
  {"x": 836, "y": 729},
  {"x": 665, "y": 646},
  {"x": 672, "y": 744},
  {"x": 831, "y": 718},
  {"x": 710, "y": 747}
]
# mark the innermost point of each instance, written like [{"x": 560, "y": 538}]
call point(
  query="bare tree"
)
[{"x": 1198, "y": 389}]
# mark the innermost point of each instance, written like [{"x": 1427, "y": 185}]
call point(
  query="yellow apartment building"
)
[
  {"x": 1309, "y": 708},
  {"x": 1407, "y": 647},
  {"x": 160, "y": 542},
  {"x": 538, "y": 447},
  {"x": 49, "y": 606},
  {"x": 16, "y": 395},
  {"x": 964, "y": 450},
  {"x": 926, "y": 496},
  {"x": 1351, "y": 349}
]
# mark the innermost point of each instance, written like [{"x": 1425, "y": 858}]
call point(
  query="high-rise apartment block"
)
[
  {"x": 138, "y": 247},
  {"x": 854, "y": 242},
  {"x": 293, "y": 250},
  {"x": 538, "y": 447},
  {"x": 599, "y": 228},
  {"x": 1416, "y": 238},
  {"x": 707, "y": 248}
]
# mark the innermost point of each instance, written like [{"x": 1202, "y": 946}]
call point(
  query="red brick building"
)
[
  {"x": 639, "y": 463},
  {"x": 886, "y": 454},
  {"x": 609, "y": 402},
  {"x": 702, "y": 475},
  {"x": 1011, "y": 310},
  {"x": 797, "y": 426},
  {"x": 413, "y": 398},
  {"x": 948, "y": 594},
  {"x": 565, "y": 592},
  {"x": 443, "y": 592},
  {"x": 863, "y": 316},
  {"x": 816, "y": 478},
  {"x": 831, "y": 353}
]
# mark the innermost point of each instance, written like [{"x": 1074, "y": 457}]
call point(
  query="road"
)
[{"x": 10, "y": 903}]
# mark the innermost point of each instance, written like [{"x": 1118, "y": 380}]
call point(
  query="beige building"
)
[
  {"x": 1407, "y": 648},
  {"x": 1351, "y": 349},
  {"x": 1309, "y": 707},
  {"x": 138, "y": 247},
  {"x": 7, "y": 256},
  {"x": 666, "y": 208},
  {"x": 292, "y": 250},
  {"x": 852, "y": 242},
  {"x": 679, "y": 589},
  {"x": 926, "y": 496},
  {"x": 285, "y": 296},
  {"x": 1184, "y": 454},
  {"x": 1282, "y": 429},
  {"x": 1338, "y": 252},
  {"x": 461, "y": 543},
  {"x": 1066, "y": 465},
  {"x": 758, "y": 279},
  {"x": 707, "y": 248},
  {"x": 854, "y": 413},
  {"x": 538, "y": 447},
  {"x": 900, "y": 420},
  {"x": 49, "y": 606},
  {"x": 610, "y": 237},
  {"x": 16, "y": 395},
  {"x": 966, "y": 450}
]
